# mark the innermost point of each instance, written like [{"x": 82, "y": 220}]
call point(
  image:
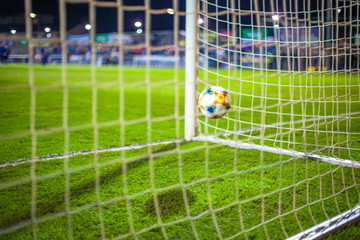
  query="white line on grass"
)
[
  {"x": 86, "y": 152},
  {"x": 211, "y": 138},
  {"x": 292, "y": 153}
]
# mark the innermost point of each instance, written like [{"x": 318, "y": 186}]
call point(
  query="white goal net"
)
[
  {"x": 108, "y": 142},
  {"x": 292, "y": 70}
]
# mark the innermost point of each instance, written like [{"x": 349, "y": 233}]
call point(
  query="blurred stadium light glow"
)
[
  {"x": 88, "y": 26},
  {"x": 138, "y": 24},
  {"x": 13, "y": 31},
  {"x": 200, "y": 20},
  {"x": 47, "y": 29},
  {"x": 275, "y": 17},
  {"x": 170, "y": 11},
  {"x": 32, "y": 15},
  {"x": 139, "y": 31}
]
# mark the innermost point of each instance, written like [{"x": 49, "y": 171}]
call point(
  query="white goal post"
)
[{"x": 190, "y": 69}]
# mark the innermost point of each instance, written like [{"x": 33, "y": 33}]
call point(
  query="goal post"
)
[{"x": 191, "y": 68}]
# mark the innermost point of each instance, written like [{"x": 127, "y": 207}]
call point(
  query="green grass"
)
[
  {"x": 238, "y": 188},
  {"x": 350, "y": 232}
]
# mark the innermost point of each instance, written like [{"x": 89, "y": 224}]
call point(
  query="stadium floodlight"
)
[
  {"x": 32, "y": 15},
  {"x": 276, "y": 26},
  {"x": 139, "y": 31},
  {"x": 47, "y": 29},
  {"x": 13, "y": 31},
  {"x": 88, "y": 26},
  {"x": 200, "y": 20},
  {"x": 48, "y": 35},
  {"x": 170, "y": 11},
  {"x": 137, "y": 24},
  {"x": 275, "y": 17},
  {"x": 339, "y": 10}
]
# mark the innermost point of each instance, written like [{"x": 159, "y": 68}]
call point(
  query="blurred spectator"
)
[
  {"x": 284, "y": 58},
  {"x": 44, "y": 59},
  {"x": 45, "y": 54},
  {"x": 4, "y": 54}
]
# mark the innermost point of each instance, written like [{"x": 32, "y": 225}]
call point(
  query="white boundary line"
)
[
  {"x": 211, "y": 138},
  {"x": 292, "y": 153},
  {"x": 86, "y": 152}
]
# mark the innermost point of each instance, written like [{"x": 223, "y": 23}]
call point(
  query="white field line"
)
[
  {"x": 292, "y": 153},
  {"x": 139, "y": 146},
  {"x": 85, "y": 152}
]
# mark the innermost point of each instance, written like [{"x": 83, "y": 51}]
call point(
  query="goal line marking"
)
[
  {"x": 292, "y": 153},
  {"x": 86, "y": 152},
  {"x": 344, "y": 162}
]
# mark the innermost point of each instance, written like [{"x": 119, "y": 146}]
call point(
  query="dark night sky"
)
[
  {"x": 106, "y": 20},
  {"x": 107, "y": 17}
]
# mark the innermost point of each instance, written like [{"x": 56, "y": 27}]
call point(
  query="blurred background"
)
[{"x": 309, "y": 36}]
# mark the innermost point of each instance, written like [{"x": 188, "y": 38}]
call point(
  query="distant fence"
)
[
  {"x": 105, "y": 59},
  {"x": 343, "y": 62},
  {"x": 156, "y": 60},
  {"x": 24, "y": 58}
]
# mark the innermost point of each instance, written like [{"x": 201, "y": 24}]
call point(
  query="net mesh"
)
[
  {"x": 291, "y": 72},
  {"x": 114, "y": 163},
  {"x": 291, "y": 69}
]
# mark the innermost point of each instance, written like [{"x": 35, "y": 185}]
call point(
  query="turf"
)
[{"x": 198, "y": 189}]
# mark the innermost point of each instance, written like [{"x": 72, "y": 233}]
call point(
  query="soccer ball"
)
[{"x": 214, "y": 102}]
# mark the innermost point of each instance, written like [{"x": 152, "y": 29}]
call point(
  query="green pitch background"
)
[{"x": 210, "y": 176}]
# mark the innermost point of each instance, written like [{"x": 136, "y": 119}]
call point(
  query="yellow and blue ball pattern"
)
[{"x": 214, "y": 102}]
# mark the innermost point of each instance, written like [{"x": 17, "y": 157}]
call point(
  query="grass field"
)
[{"x": 200, "y": 189}]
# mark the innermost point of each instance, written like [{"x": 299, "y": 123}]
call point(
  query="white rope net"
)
[
  {"x": 292, "y": 70},
  {"x": 283, "y": 160}
]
